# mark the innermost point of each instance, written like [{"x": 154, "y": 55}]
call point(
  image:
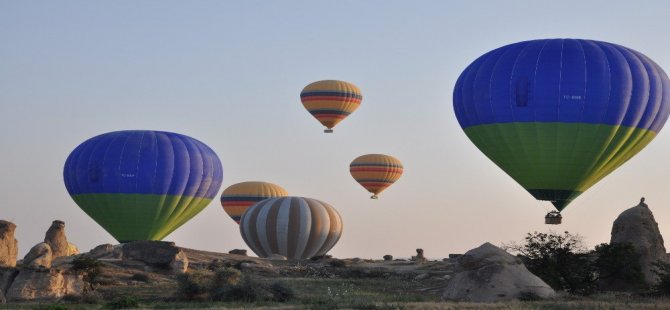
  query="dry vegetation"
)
[{"x": 322, "y": 284}]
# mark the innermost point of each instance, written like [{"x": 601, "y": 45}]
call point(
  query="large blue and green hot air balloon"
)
[
  {"x": 558, "y": 115},
  {"x": 142, "y": 184}
]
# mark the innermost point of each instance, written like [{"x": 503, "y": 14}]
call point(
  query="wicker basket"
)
[{"x": 553, "y": 218}]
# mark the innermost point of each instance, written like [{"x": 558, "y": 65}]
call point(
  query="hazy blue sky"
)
[{"x": 229, "y": 73}]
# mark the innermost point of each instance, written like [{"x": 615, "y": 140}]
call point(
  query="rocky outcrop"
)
[
  {"x": 489, "y": 274},
  {"x": 39, "y": 256},
  {"x": 47, "y": 284},
  {"x": 158, "y": 254},
  {"x": 638, "y": 227},
  {"x": 388, "y": 257},
  {"x": 106, "y": 251},
  {"x": 276, "y": 257},
  {"x": 56, "y": 239},
  {"x": 8, "y": 244},
  {"x": 72, "y": 249},
  {"x": 7, "y": 276},
  {"x": 238, "y": 252},
  {"x": 419, "y": 256}
]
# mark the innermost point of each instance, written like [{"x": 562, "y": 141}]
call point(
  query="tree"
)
[
  {"x": 619, "y": 266},
  {"x": 561, "y": 260},
  {"x": 662, "y": 270}
]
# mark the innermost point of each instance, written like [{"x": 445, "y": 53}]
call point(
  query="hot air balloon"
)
[
  {"x": 376, "y": 172},
  {"x": 331, "y": 101},
  {"x": 294, "y": 227},
  {"x": 237, "y": 198},
  {"x": 558, "y": 115},
  {"x": 142, "y": 184}
]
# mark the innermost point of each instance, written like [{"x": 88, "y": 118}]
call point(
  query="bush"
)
[
  {"x": 226, "y": 276},
  {"x": 281, "y": 292},
  {"x": 126, "y": 302},
  {"x": 528, "y": 296},
  {"x": 247, "y": 290},
  {"x": 619, "y": 262},
  {"x": 141, "y": 277},
  {"x": 337, "y": 263},
  {"x": 56, "y": 306},
  {"x": 83, "y": 263},
  {"x": 560, "y": 260},
  {"x": 90, "y": 266},
  {"x": 192, "y": 285},
  {"x": 662, "y": 270}
]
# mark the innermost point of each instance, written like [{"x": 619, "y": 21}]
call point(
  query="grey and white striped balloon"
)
[{"x": 295, "y": 227}]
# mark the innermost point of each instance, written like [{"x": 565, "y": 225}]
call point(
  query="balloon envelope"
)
[
  {"x": 237, "y": 198},
  {"x": 142, "y": 184},
  {"x": 558, "y": 115},
  {"x": 330, "y": 101},
  {"x": 376, "y": 172},
  {"x": 294, "y": 227}
]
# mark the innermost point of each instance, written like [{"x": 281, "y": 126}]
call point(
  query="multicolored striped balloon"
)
[
  {"x": 376, "y": 172},
  {"x": 294, "y": 227},
  {"x": 558, "y": 115},
  {"x": 237, "y": 198},
  {"x": 142, "y": 184},
  {"x": 330, "y": 101}
]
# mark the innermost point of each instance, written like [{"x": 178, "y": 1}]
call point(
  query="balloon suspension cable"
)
[
  {"x": 374, "y": 197},
  {"x": 328, "y": 130}
]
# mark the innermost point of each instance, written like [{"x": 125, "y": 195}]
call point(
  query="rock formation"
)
[
  {"x": 8, "y": 244},
  {"x": 7, "y": 276},
  {"x": 106, "y": 251},
  {"x": 56, "y": 239},
  {"x": 489, "y": 274},
  {"x": 238, "y": 252},
  {"x": 72, "y": 249},
  {"x": 276, "y": 257},
  {"x": 38, "y": 285},
  {"x": 39, "y": 256},
  {"x": 638, "y": 227},
  {"x": 388, "y": 257},
  {"x": 159, "y": 254},
  {"x": 419, "y": 256}
]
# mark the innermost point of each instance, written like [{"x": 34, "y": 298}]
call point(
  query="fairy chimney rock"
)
[
  {"x": 8, "y": 244},
  {"x": 638, "y": 227},
  {"x": 56, "y": 239}
]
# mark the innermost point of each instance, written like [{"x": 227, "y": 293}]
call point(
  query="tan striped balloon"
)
[{"x": 295, "y": 227}]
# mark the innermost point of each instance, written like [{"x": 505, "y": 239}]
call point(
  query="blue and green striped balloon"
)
[
  {"x": 558, "y": 115},
  {"x": 142, "y": 184}
]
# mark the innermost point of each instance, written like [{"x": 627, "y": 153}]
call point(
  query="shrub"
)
[
  {"x": 620, "y": 262},
  {"x": 226, "y": 276},
  {"x": 56, "y": 306},
  {"x": 90, "y": 266},
  {"x": 528, "y": 296},
  {"x": 281, "y": 292},
  {"x": 216, "y": 264},
  {"x": 247, "y": 290},
  {"x": 192, "y": 285},
  {"x": 83, "y": 263},
  {"x": 662, "y": 270},
  {"x": 140, "y": 277},
  {"x": 126, "y": 302},
  {"x": 337, "y": 263}
]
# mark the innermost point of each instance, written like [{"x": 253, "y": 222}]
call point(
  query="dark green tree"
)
[
  {"x": 662, "y": 270},
  {"x": 619, "y": 265},
  {"x": 560, "y": 260}
]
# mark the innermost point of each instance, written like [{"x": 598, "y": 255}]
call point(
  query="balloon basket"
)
[
  {"x": 553, "y": 218},
  {"x": 374, "y": 197},
  {"x": 328, "y": 130}
]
